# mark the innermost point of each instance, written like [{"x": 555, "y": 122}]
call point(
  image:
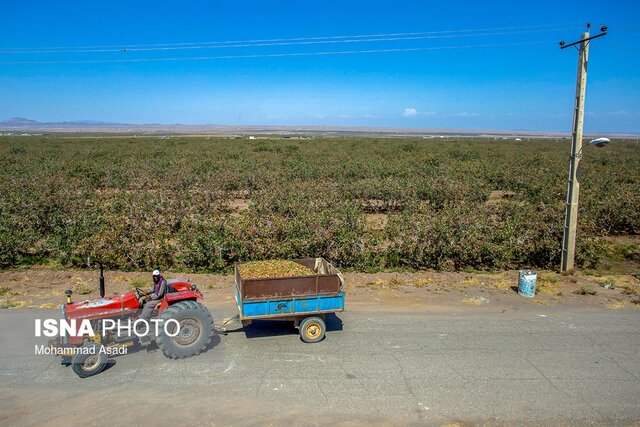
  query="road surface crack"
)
[{"x": 404, "y": 377}]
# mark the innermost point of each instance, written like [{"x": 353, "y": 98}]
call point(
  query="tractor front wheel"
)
[
  {"x": 194, "y": 334},
  {"x": 89, "y": 361}
]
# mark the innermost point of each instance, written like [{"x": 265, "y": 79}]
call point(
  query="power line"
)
[
  {"x": 274, "y": 55},
  {"x": 327, "y": 39},
  {"x": 634, "y": 49},
  {"x": 625, "y": 28},
  {"x": 296, "y": 43}
]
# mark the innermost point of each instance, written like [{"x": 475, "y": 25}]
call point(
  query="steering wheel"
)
[{"x": 139, "y": 293}]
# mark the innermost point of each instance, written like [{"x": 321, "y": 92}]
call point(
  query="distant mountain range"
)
[{"x": 20, "y": 124}]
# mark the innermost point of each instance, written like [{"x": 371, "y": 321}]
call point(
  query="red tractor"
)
[{"x": 99, "y": 328}]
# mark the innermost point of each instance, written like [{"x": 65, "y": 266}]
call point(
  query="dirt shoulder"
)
[{"x": 44, "y": 288}]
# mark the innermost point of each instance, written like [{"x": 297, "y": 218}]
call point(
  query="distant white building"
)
[{"x": 252, "y": 137}]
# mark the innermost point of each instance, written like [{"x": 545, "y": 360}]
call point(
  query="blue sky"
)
[{"x": 526, "y": 83}]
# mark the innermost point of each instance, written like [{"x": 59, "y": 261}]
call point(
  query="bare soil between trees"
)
[{"x": 22, "y": 288}]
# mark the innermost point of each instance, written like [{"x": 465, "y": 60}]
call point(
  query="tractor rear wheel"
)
[
  {"x": 89, "y": 362},
  {"x": 195, "y": 333}
]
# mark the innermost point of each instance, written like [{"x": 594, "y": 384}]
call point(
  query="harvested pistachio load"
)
[{"x": 273, "y": 268}]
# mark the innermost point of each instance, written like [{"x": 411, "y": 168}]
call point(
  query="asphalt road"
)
[{"x": 535, "y": 366}]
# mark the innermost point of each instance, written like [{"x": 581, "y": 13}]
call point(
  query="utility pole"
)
[{"x": 573, "y": 190}]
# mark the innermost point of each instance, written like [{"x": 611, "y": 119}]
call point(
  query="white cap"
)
[{"x": 155, "y": 273}]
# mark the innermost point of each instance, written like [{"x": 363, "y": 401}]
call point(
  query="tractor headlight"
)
[{"x": 194, "y": 287}]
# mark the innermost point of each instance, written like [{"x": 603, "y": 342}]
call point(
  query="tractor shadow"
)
[
  {"x": 110, "y": 364},
  {"x": 272, "y": 328},
  {"x": 153, "y": 347},
  {"x": 138, "y": 348}
]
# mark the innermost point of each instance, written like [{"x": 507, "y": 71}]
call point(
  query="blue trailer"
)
[{"x": 305, "y": 300}]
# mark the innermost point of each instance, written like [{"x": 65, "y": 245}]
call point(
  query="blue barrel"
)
[{"x": 527, "y": 283}]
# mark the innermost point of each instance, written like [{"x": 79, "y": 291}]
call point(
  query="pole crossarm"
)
[{"x": 564, "y": 46}]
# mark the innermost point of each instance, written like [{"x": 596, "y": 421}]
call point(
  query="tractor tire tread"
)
[{"x": 165, "y": 343}]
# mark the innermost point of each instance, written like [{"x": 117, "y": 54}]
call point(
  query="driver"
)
[{"x": 156, "y": 294}]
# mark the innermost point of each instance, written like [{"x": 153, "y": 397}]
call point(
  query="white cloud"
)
[
  {"x": 357, "y": 116},
  {"x": 412, "y": 112},
  {"x": 620, "y": 113},
  {"x": 467, "y": 114},
  {"x": 617, "y": 113}
]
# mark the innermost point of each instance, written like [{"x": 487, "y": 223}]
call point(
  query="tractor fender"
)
[{"x": 174, "y": 297}]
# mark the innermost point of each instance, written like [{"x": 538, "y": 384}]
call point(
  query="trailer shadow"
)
[{"x": 271, "y": 328}]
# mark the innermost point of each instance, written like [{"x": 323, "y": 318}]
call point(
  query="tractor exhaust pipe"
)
[{"x": 101, "y": 281}]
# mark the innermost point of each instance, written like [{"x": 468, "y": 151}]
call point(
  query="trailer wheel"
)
[
  {"x": 87, "y": 365},
  {"x": 196, "y": 330},
  {"x": 312, "y": 329}
]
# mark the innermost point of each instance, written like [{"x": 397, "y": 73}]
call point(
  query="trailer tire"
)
[
  {"x": 312, "y": 329},
  {"x": 196, "y": 330},
  {"x": 87, "y": 365}
]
